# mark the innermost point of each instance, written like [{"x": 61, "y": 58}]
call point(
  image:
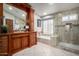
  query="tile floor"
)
[{"x": 43, "y": 50}]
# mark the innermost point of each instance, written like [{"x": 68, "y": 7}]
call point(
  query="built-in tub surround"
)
[{"x": 67, "y": 30}]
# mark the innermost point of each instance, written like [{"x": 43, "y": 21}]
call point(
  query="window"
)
[
  {"x": 73, "y": 17},
  {"x": 65, "y": 18},
  {"x": 38, "y": 23},
  {"x": 46, "y": 17},
  {"x": 70, "y": 17},
  {"x": 48, "y": 27}
]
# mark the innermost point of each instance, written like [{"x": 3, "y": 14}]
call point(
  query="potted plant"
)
[{"x": 4, "y": 29}]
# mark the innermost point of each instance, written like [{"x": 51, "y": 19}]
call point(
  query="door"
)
[{"x": 9, "y": 23}]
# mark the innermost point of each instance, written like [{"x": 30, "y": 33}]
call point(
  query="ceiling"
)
[{"x": 44, "y": 8}]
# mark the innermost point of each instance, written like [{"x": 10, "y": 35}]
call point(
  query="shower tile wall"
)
[{"x": 71, "y": 36}]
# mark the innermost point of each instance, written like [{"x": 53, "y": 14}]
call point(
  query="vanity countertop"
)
[
  {"x": 1, "y": 34},
  {"x": 12, "y": 33}
]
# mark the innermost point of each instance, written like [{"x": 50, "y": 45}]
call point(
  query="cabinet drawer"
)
[
  {"x": 4, "y": 41},
  {"x": 3, "y": 49},
  {"x": 22, "y": 35},
  {"x": 3, "y": 37}
]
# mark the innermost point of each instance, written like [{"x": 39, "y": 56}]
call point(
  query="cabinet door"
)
[
  {"x": 16, "y": 43},
  {"x": 24, "y": 42},
  {"x": 3, "y": 45},
  {"x": 33, "y": 39}
]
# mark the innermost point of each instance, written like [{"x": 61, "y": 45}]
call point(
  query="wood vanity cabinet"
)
[{"x": 11, "y": 43}]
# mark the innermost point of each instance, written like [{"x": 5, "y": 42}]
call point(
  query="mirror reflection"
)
[{"x": 14, "y": 17}]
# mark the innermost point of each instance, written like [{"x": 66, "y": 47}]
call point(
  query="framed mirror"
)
[{"x": 17, "y": 16}]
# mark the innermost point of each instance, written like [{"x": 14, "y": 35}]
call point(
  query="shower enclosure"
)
[{"x": 66, "y": 26}]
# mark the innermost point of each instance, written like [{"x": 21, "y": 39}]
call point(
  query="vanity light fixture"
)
[
  {"x": 10, "y": 8},
  {"x": 23, "y": 15},
  {"x": 44, "y": 13}
]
